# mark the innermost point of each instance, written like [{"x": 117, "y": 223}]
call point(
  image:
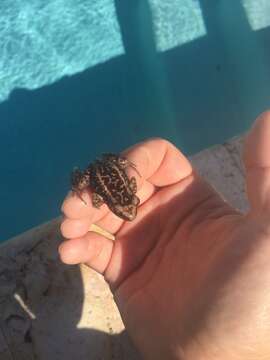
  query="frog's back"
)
[{"x": 110, "y": 182}]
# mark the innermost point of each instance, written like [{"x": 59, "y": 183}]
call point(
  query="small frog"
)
[{"x": 109, "y": 184}]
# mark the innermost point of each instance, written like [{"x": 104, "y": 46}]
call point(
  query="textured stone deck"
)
[{"x": 52, "y": 311}]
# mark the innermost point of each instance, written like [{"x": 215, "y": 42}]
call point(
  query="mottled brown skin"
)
[{"x": 110, "y": 184}]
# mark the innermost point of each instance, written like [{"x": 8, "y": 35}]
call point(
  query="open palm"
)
[{"x": 189, "y": 274}]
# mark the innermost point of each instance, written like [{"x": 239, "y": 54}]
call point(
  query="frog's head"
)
[
  {"x": 79, "y": 182},
  {"x": 128, "y": 212}
]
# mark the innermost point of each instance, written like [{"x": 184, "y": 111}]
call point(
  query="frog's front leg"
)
[
  {"x": 133, "y": 185},
  {"x": 97, "y": 200}
]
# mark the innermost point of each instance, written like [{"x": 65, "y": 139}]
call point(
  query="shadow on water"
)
[
  {"x": 195, "y": 95},
  {"x": 144, "y": 69},
  {"x": 219, "y": 82}
]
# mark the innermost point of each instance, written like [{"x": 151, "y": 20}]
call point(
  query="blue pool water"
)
[{"x": 81, "y": 78}]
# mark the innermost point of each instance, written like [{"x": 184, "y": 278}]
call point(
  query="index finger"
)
[{"x": 158, "y": 162}]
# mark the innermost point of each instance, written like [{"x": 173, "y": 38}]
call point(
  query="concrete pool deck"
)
[{"x": 53, "y": 311}]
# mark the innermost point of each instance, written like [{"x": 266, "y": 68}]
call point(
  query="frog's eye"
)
[{"x": 122, "y": 162}]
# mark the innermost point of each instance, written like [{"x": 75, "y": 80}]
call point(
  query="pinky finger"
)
[{"x": 93, "y": 250}]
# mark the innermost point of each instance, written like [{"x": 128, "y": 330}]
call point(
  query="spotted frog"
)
[{"x": 107, "y": 179}]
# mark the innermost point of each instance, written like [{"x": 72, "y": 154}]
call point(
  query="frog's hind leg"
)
[
  {"x": 134, "y": 167},
  {"x": 133, "y": 185},
  {"x": 97, "y": 200},
  {"x": 121, "y": 161}
]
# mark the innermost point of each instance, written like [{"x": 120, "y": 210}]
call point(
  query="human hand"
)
[{"x": 190, "y": 275}]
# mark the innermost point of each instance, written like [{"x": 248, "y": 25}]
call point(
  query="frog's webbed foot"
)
[
  {"x": 97, "y": 200},
  {"x": 134, "y": 167}
]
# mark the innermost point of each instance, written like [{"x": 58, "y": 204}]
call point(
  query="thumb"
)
[{"x": 257, "y": 163}]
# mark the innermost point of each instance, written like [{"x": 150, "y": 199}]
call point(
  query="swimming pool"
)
[{"x": 81, "y": 78}]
